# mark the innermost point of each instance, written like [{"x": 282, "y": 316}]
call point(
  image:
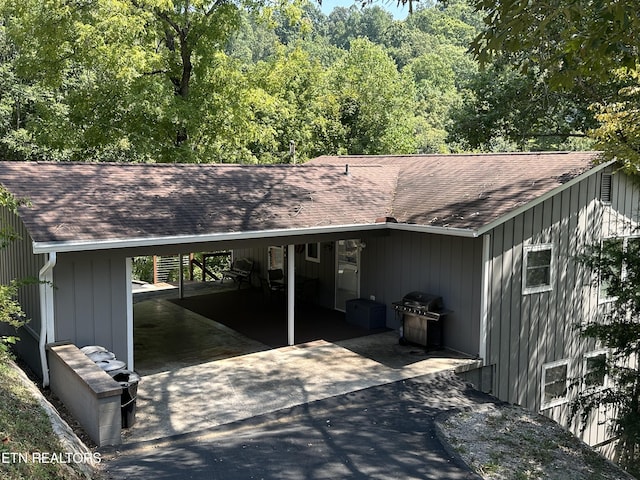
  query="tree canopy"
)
[
  {"x": 238, "y": 81},
  {"x": 572, "y": 39},
  {"x": 587, "y": 47}
]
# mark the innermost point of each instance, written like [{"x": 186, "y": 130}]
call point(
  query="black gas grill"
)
[{"x": 421, "y": 319}]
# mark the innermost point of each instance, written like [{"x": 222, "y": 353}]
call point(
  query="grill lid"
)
[{"x": 424, "y": 300}]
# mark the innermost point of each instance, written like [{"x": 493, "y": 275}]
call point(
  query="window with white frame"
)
[
  {"x": 312, "y": 252},
  {"x": 615, "y": 248},
  {"x": 537, "y": 271},
  {"x": 594, "y": 370},
  {"x": 612, "y": 249},
  {"x": 555, "y": 383}
]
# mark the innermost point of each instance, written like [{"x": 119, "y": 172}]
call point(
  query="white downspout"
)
[
  {"x": 484, "y": 300},
  {"x": 46, "y": 313}
]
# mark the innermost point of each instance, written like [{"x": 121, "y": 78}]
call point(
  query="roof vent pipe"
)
[
  {"x": 346, "y": 169},
  {"x": 292, "y": 151}
]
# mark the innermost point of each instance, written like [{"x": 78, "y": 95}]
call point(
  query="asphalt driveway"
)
[{"x": 381, "y": 432}]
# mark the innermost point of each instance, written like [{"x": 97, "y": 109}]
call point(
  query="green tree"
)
[
  {"x": 253, "y": 41},
  {"x": 439, "y": 79},
  {"x": 139, "y": 78},
  {"x": 572, "y": 39},
  {"x": 339, "y": 26},
  {"x": 293, "y": 104},
  {"x": 521, "y": 109},
  {"x": 431, "y": 46},
  {"x": 449, "y": 22},
  {"x": 432, "y": 26},
  {"x": 619, "y": 131},
  {"x": 404, "y": 43},
  {"x": 589, "y": 46},
  {"x": 21, "y": 101},
  {"x": 619, "y": 333},
  {"x": 377, "y": 103}
]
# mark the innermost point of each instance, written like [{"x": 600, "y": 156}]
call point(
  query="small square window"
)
[
  {"x": 312, "y": 252},
  {"x": 554, "y": 383},
  {"x": 537, "y": 268},
  {"x": 595, "y": 373}
]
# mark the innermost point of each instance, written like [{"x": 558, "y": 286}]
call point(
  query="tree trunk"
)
[
  {"x": 182, "y": 86},
  {"x": 182, "y": 80},
  {"x": 187, "y": 67}
]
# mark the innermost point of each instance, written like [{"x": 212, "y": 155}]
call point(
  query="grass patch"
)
[
  {"x": 503, "y": 442},
  {"x": 25, "y": 430}
]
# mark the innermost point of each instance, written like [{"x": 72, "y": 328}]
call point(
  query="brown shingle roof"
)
[
  {"x": 75, "y": 201},
  {"x": 470, "y": 191},
  {"x": 94, "y": 202}
]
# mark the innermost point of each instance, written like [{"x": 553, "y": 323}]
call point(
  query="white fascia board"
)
[
  {"x": 514, "y": 213},
  {"x": 91, "y": 245},
  {"x": 450, "y": 231}
]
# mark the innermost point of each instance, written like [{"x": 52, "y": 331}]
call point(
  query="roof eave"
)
[
  {"x": 110, "y": 244},
  {"x": 450, "y": 231}
]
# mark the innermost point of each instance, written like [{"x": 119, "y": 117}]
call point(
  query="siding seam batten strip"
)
[{"x": 484, "y": 301}]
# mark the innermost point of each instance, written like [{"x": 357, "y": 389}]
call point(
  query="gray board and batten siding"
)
[
  {"x": 323, "y": 272},
  {"x": 450, "y": 267},
  {"x": 528, "y": 330},
  {"x": 19, "y": 263},
  {"x": 92, "y": 300}
]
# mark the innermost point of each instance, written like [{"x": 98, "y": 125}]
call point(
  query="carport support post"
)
[
  {"x": 181, "y": 279},
  {"x": 291, "y": 292}
]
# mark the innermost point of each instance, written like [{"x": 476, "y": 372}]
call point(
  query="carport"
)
[
  {"x": 282, "y": 320},
  {"x": 180, "y": 392},
  {"x": 199, "y": 373},
  {"x": 213, "y": 321},
  {"x": 86, "y": 221}
]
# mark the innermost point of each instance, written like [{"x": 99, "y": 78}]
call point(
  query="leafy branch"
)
[
  {"x": 616, "y": 265},
  {"x": 10, "y": 310}
]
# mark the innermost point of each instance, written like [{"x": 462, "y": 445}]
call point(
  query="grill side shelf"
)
[{"x": 402, "y": 308}]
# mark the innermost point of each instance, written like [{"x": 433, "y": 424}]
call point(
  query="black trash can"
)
[{"x": 128, "y": 380}]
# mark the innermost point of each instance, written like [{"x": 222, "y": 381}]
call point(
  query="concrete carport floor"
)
[
  {"x": 245, "y": 378},
  {"x": 168, "y": 337}
]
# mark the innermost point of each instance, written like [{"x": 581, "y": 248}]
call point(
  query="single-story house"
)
[{"x": 495, "y": 235}]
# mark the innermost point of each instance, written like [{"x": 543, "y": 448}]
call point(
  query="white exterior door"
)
[{"x": 347, "y": 272}]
